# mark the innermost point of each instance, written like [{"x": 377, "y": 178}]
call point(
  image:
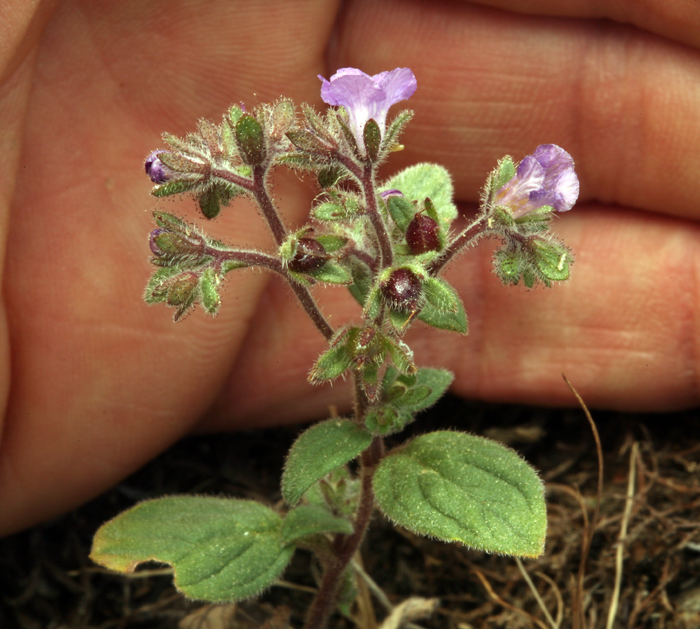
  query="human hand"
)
[{"x": 97, "y": 383}]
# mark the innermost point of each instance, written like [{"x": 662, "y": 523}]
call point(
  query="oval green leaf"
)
[
  {"x": 220, "y": 549},
  {"x": 458, "y": 487},
  {"x": 319, "y": 450}
]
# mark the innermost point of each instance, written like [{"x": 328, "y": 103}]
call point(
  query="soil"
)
[{"x": 47, "y": 580}]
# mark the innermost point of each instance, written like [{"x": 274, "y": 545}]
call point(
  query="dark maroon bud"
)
[
  {"x": 423, "y": 234},
  {"x": 310, "y": 256},
  {"x": 403, "y": 290},
  {"x": 157, "y": 170}
]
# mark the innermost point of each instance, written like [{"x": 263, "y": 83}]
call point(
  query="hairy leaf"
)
[
  {"x": 307, "y": 520},
  {"x": 319, "y": 450},
  {"x": 220, "y": 549},
  {"x": 462, "y": 488}
]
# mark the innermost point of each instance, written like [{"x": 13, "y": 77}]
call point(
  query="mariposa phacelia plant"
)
[{"x": 387, "y": 242}]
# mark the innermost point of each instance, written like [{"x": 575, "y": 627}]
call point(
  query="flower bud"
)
[
  {"x": 183, "y": 290},
  {"x": 164, "y": 242},
  {"x": 403, "y": 290},
  {"x": 423, "y": 234},
  {"x": 251, "y": 140},
  {"x": 309, "y": 256},
  {"x": 157, "y": 170}
]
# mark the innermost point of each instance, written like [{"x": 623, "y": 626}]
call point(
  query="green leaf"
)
[
  {"x": 552, "y": 259},
  {"x": 396, "y": 127},
  {"x": 319, "y": 450},
  {"x": 386, "y": 419},
  {"x": 439, "y": 294},
  {"x": 507, "y": 266},
  {"x": 231, "y": 265},
  {"x": 209, "y": 203},
  {"x": 401, "y": 210},
  {"x": 208, "y": 285},
  {"x": 168, "y": 221},
  {"x": 177, "y": 186},
  {"x": 331, "y": 242},
  {"x": 361, "y": 281},
  {"x": 312, "y": 520},
  {"x": 331, "y": 273},
  {"x": 505, "y": 171},
  {"x": 401, "y": 356},
  {"x": 435, "y": 381},
  {"x": 251, "y": 140},
  {"x": 372, "y": 136},
  {"x": 331, "y": 364},
  {"x": 373, "y": 304},
  {"x": 220, "y": 549},
  {"x": 404, "y": 396},
  {"x": 337, "y": 490},
  {"x": 329, "y": 212},
  {"x": 427, "y": 180},
  {"x": 462, "y": 488},
  {"x": 156, "y": 289},
  {"x": 445, "y": 320}
]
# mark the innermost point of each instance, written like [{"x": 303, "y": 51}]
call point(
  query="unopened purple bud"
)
[
  {"x": 157, "y": 170},
  {"x": 152, "y": 242},
  {"x": 403, "y": 290}
]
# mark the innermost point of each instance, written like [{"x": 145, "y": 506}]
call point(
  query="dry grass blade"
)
[
  {"x": 536, "y": 594},
  {"x": 413, "y": 608},
  {"x": 612, "y": 611},
  {"x": 557, "y": 594},
  {"x": 577, "y": 611},
  {"x": 503, "y": 603}
]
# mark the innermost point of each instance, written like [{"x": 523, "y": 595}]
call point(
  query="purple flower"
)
[
  {"x": 157, "y": 170},
  {"x": 366, "y": 97},
  {"x": 546, "y": 177}
]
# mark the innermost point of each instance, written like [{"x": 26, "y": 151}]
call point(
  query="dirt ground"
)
[{"x": 634, "y": 557}]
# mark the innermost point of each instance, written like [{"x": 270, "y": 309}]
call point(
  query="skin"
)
[{"x": 95, "y": 383}]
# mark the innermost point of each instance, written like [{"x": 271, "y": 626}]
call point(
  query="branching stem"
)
[{"x": 466, "y": 239}]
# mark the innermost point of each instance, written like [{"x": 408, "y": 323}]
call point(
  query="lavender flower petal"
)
[
  {"x": 545, "y": 178},
  {"x": 157, "y": 170},
  {"x": 366, "y": 97}
]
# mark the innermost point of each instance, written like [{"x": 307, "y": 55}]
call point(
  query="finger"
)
[
  {"x": 678, "y": 20},
  {"x": 101, "y": 383},
  {"x": 490, "y": 83}
]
